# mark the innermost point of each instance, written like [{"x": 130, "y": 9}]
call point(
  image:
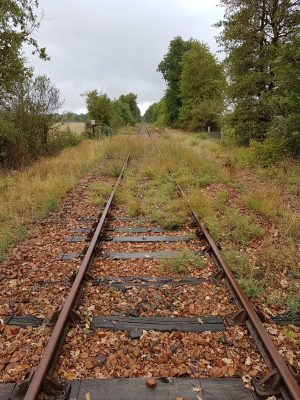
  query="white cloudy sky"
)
[{"x": 115, "y": 45}]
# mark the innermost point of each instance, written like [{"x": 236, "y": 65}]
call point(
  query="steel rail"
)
[
  {"x": 288, "y": 380},
  {"x": 50, "y": 350}
]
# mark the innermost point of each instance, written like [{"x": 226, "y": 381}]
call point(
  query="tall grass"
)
[{"x": 31, "y": 193}]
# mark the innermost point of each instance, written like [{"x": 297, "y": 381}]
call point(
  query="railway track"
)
[{"x": 133, "y": 315}]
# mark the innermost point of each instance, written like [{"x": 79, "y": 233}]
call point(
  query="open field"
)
[{"x": 76, "y": 127}]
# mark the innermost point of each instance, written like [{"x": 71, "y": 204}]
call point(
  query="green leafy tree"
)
[
  {"x": 156, "y": 113},
  {"x": 202, "y": 87},
  {"x": 18, "y": 21},
  {"x": 111, "y": 115},
  {"x": 130, "y": 99},
  {"x": 253, "y": 32},
  {"x": 99, "y": 107},
  {"x": 30, "y": 113},
  {"x": 285, "y": 99},
  {"x": 122, "y": 114},
  {"x": 171, "y": 68},
  {"x": 70, "y": 116}
]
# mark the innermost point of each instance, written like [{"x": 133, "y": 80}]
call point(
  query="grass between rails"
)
[{"x": 181, "y": 262}]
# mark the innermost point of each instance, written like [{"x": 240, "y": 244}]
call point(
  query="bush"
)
[
  {"x": 265, "y": 153},
  {"x": 60, "y": 140}
]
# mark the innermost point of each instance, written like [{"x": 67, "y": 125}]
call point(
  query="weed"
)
[
  {"x": 292, "y": 304},
  {"x": 202, "y": 135},
  {"x": 99, "y": 193},
  {"x": 289, "y": 333},
  {"x": 133, "y": 206},
  {"x": 277, "y": 257},
  {"x": 222, "y": 196},
  {"x": 172, "y": 215},
  {"x": 249, "y": 277},
  {"x": 240, "y": 228},
  {"x": 290, "y": 223},
  {"x": 238, "y": 262},
  {"x": 180, "y": 263},
  {"x": 251, "y": 287}
]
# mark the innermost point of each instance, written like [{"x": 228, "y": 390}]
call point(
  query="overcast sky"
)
[{"x": 115, "y": 46}]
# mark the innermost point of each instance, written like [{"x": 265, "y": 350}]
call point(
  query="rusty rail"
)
[
  {"x": 290, "y": 383},
  {"x": 51, "y": 348},
  {"x": 280, "y": 367}
]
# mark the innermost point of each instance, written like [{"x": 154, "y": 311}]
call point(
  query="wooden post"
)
[{"x": 93, "y": 124}]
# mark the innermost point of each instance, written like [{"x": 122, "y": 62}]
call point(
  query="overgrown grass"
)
[
  {"x": 238, "y": 227},
  {"x": 30, "y": 194},
  {"x": 243, "y": 268},
  {"x": 99, "y": 193},
  {"x": 267, "y": 192},
  {"x": 268, "y": 203},
  {"x": 180, "y": 263}
]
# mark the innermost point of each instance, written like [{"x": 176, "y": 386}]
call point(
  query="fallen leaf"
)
[{"x": 151, "y": 382}]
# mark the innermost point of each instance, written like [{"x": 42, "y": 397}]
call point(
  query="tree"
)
[
  {"x": 122, "y": 114},
  {"x": 111, "y": 115},
  {"x": 30, "y": 113},
  {"x": 171, "y": 67},
  {"x": 201, "y": 88},
  {"x": 285, "y": 100},
  {"x": 253, "y": 32},
  {"x": 18, "y": 21},
  {"x": 156, "y": 113},
  {"x": 99, "y": 107},
  {"x": 130, "y": 99}
]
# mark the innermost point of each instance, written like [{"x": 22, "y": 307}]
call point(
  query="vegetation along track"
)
[{"x": 151, "y": 301}]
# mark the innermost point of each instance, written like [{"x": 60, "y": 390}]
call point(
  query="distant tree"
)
[
  {"x": 112, "y": 114},
  {"x": 156, "y": 113},
  {"x": 171, "y": 67},
  {"x": 122, "y": 114},
  {"x": 130, "y": 99},
  {"x": 202, "y": 87},
  {"x": 99, "y": 107},
  {"x": 70, "y": 116}
]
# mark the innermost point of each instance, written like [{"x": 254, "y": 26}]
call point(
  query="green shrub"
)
[
  {"x": 265, "y": 153},
  {"x": 60, "y": 140}
]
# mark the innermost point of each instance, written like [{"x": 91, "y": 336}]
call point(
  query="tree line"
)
[
  {"x": 110, "y": 115},
  {"x": 253, "y": 96}
]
